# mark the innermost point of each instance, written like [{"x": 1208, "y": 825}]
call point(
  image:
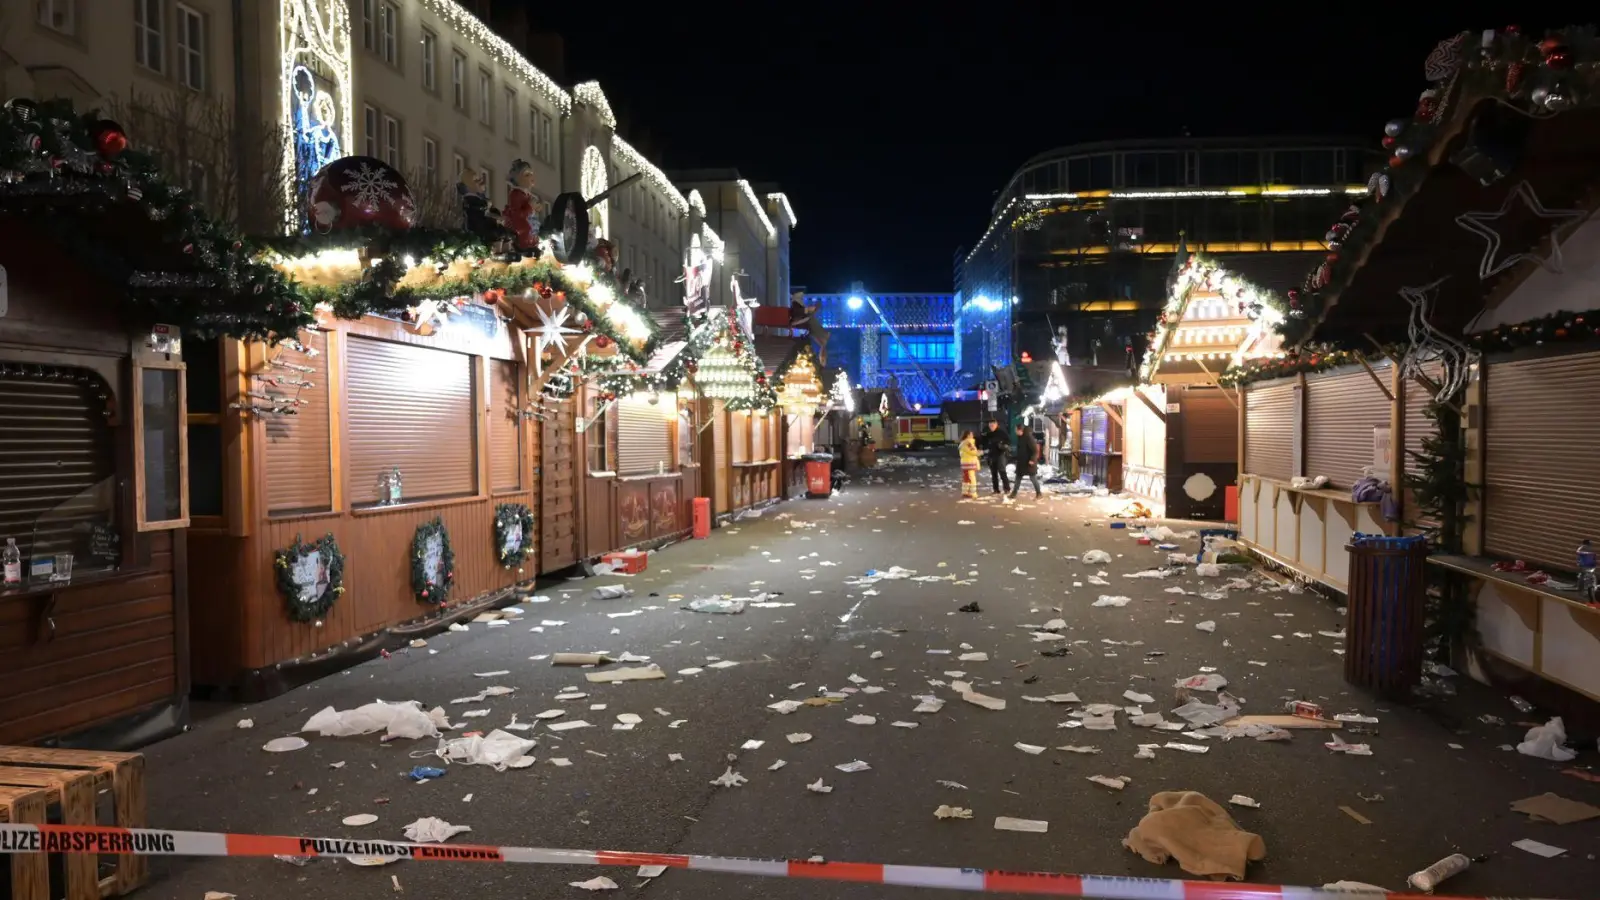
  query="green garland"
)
[
  {"x": 1535, "y": 77},
  {"x": 506, "y": 517},
  {"x": 1559, "y": 327},
  {"x": 1304, "y": 361},
  {"x": 614, "y": 379},
  {"x": 428, "y": 591},
  {"x": 283, "y": 564}
]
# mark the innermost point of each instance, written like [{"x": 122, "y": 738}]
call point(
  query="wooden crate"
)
[
  {"x": 124, "y": 773},
  {"x": 30, "y": 872},
  {"x": 74, "y": 791}
]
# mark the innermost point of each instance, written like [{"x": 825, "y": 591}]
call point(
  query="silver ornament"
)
[
  {"x": 1402, "y": 152},
  {"x": 1394, "y": 127}
]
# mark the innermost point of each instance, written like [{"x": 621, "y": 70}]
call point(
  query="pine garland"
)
[
  {"x": 506, "y": 517},
  {"x": 283, "y": 564},
  {"x": 426, "y": 589},
  {"x": 1442, "y": 492}
]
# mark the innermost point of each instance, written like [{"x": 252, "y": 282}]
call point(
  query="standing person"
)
[
  {"x": 969, "y": 466},
  {"x": 996, "y": 446},
  {"x": 1027, "y": 463}
]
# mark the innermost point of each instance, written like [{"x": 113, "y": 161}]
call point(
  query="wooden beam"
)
[
  {"x": 1421, "y": 379},
  {"x": 1160, "y": 413},
  {"x": 1112, "y": 412},
  {"x": 1362, "y": 358},
  {"x": 1229, "y": 394}
]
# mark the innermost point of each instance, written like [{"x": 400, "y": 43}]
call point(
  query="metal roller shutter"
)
[
  {"x": 1541, "y": 472},
  {"x": 505, "y": 426},
  {"x": 57, "y": 462},
  {"x": 1094, "y": 430},
  {"x": 409, "y": 408},
  {"x": 644, "y": 445},
  {"x": 299, "y": 451},
  {"x": 1342, "y": 408},
  {"x": 1269, "y": 430},
  {"x": 1210, "y": 426}
]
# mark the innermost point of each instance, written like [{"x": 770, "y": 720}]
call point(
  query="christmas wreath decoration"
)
[
  {"x": 513, "y": 533},
  {"x": 310, "y": 576},
  {"x": 433, "y": 563}
]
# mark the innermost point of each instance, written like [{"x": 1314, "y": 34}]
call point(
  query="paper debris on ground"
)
[
  {"x": 651, "y": 871},
  {"x": 853, "y": 766},
  {"x": 1547, "y": 741},
  {"x": 1242, "y": 800},
  {"x": 1555, "y": 809},
  {"x": 1207, "y": 626},
  {"x": 1356, "y": 718},
  {"x": 729, "y": 778},
  {"x": 1109, "y": 600},
  {"x": 777, "y": 765},
  {"x": 862, "y": 720},
  {"x": 497, "y": 749},
  {"x": 1116, "y": 783},
  {"x": 651, "y": 672},
  {"x": 1187, "y": 748},
  {"x": 1338, "y": 745},
  {"x": 396, "y": 720},
  {"x": 1031, "y": 826},
  {"x": 974, "y": 657},
  {"x": 929, "y": 705},
  {"x": 568, "y": 725},
  {"x": 246, "y": 723},
  {"x": 1137, "y": 697},
  {"x": 360, "y": 819},
  {"x": 1358, "y": 817},
  {"x": 903, "y": 724},
  {"x": 952, "y": 785},
  {"x": 1538, "y": 849},
  {"x": 1280, "y": 722},
  {"x": 952, "y": 812},
  {"x": 818, "y": 787},
  {"x": 785, "y": 707},
  {"x": 1205, "y": 681},
  {"x": 798, "y": 737},
  {"x": 1096, "y": 557},
  {"x": 285, "y": 744},
  {"x": 579, "y": 659},
  {"x": 597, "y": 883},
  {"x": 716, "y": 605},
  {"x": 1078, "y": 748},
  {"x": 1033, "y": 749},
  {"x": 984, "y": 700},
  {"x": 433, "y": 830}
]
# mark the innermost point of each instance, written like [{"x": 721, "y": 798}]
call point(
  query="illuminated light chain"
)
[
  {"x": 325, "y": 37},
  {"x": 761, "y": 213},
  {"x": 636, "y": 161},
  {"x": 468, "y": 25},
  {"x": 592, "y": 180},
  {"x": 715, "y": 243},
  {"x": 1185, "y": 193},
  {"x": 1199, "y": 274},
  {"x": 697, "y": 202},
  {"x": 783, "y": 200},
  {"x": 589, "y": 94}
]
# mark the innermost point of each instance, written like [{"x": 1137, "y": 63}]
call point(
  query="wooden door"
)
[
  {"x": 1203, "y": 456},
  {"x": 558, "y": 482}
]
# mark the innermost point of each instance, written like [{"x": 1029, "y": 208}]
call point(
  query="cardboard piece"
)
[
  {"x": 1283, "y": 722},
  {"x": 1555, "y": 809},
  {"x": 1355, "y": 815}
]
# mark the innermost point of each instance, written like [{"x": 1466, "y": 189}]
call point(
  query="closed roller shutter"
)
[
  {"x": 1210, "y": 426},
  {"x": 739, "y": 424},
  {"x": 1342, "y": 408},
  {"x": 505, "y": 426},
  {"x": 409, "y": 408},
  {"x": 1541, "y": 471},
  {"x": 1269, "y": 430},
  {"x": 1093, "y": 438},
  {"x": 57, "y": 463},
  {"x": 299, "y": 451},
  {"x": 644, "y": 445}
]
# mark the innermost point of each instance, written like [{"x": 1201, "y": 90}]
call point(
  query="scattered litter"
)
[
  {"x": 420, "y": 774},
  {"x": 1033, "y": 749},
  {"x": 1137, "y": 697},
  {"x": 568, "y": 725},
  {"x": 1187, "y": 748},
  {"x": 1338, "y": 745},
  {"x": 1116, "y": 783},
  {"x": 1207, "y": 626},
  {"x": 716, "y": 605},
  {"x": 611, "y": 592},
  {"x": 433, "y": 830},
  {"x": 284, "y": 744},
  {"x": 785, "y": 707},
  {"x": 903, "y": 724},
  {"x": 853, "y": 766},
  {"x": 952, "y": 812},
  {"x": 1538, "y": 848},
  {"x": 579, "y": 659},
  {"x": 1547, "y": 741},
  {"x": 1192, "y": 828},
  {"x": 246, "y": 723},
  {"x": 818, "y": 787},
  {"x": 972, "y": 607},
  {"x": 1356, "y": 718},
  {"x": 952, "y": 785},
  {"x": 862, "y": 720},
  {"x": 651, "y": 672},
  {"x": 984, "y": 700},
  {"x": 974, "y": 657},
  {"x": 1242, "y": 800},
  {"x": 1555, "y": 809},
  {"x": 396, "y": 720},
  {"x": 1208, "y": 570},
  {"x": 1146, "y": 751},
  {"x": 360, "y": 819},
  {"x": 1076, "y": 748},
  {"x": 723, "y": 664},
  {"x": 1109, "y": 600},
  {"x": 1096, "y": 557},
  {"x": 560, "y": 762},
  {"x": 1205, "y": 681},
  {"x": 798, "y": 737},
  {"x": 777, "y": 765},
  {"x": 498, "y": 749},
  {"x": 597, "y": 883},
  {"x": 1360, "y": 819},
  {"x": 729, "y": 778},
  {"x": 1434, "y": 875},
  {"x": 1031, "y": 826},
  {"x": 929, "y": 705},
  {"x": 651, "y": 871}
]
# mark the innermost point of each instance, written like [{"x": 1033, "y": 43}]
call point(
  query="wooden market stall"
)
[
  {"x": 740, "y": 465},
  {"x": 1454, "y": 264}
]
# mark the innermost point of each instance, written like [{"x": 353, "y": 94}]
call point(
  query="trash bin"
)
[
  {"x": 1384, "y": 624},
  {"x": 702, "y": 518},
  {"x": 819, "y": 475}
]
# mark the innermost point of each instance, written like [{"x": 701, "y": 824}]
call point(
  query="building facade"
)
[
  {"x": 1084, "y": 237},
  {"x": 898, "y": 340},
  {"x": 753, "y": 228}
]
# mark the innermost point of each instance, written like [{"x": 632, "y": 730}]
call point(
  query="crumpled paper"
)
[
  {"x": 433, "y": 830},
  {"x": 1547, "y": 741},
  {"x": 396, "y": 720}
]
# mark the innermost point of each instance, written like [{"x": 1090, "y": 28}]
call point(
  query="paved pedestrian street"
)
[{"x": 1438, "y": 780}]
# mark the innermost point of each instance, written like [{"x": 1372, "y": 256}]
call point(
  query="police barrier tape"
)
[{"x": 153, "y": 842}]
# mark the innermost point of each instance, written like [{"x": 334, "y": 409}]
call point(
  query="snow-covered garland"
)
[
  {"x": 1203, "y": 274},
  {"x": 712, "y": 335}
]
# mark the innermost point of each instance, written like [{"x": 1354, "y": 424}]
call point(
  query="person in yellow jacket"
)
[{"x": 970, "y": 459}]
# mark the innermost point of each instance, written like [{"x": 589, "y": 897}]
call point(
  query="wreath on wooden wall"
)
[
  {"x": 513, "y": 533},
  {"x": 310, "y": 576},
  {"x": 433, "y": 563}
]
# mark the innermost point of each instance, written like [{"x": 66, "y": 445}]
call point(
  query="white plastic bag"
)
[
  {"x": 396, "y": 720},
  {"x": 1094, "y": 557},
  {"x": 499, "y": 749},
  {"x": 1547, "y": 741}
]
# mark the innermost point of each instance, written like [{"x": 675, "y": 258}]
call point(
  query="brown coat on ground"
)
[{"x": 1190, "y": 827}]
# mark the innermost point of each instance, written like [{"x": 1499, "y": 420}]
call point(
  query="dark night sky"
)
[{"x": 891, "y": 133}]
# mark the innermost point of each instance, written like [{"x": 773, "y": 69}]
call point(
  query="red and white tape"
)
[{"x": 155, "y": 842}]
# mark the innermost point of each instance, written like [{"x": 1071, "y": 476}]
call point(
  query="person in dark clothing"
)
[
  {"x": 996, "y": 447},
  {"x": 1027, "y": 462}
]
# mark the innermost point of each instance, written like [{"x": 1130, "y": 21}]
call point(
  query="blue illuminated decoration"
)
[
  {"x": 855, "y": 302},
  {"x": 316, "y": 143},
  {"x": 923, "y": 362}
]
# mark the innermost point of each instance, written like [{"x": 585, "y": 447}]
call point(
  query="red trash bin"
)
[
  {"x": 702, "y": 518},
  {"x": 819, "y": 476}
]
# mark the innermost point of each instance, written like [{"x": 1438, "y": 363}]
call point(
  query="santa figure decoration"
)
[
  {"x": 478, "y": 216},
  {"x": 524, "y": 210}
]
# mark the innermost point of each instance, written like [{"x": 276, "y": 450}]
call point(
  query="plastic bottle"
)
[
  {"x": 1586, "y": 582},
  {"x": 1435, "y": 875},
  {"x": 13, "y": 563}
]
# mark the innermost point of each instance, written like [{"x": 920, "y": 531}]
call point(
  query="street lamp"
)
[{"x": 854, "y": 302}]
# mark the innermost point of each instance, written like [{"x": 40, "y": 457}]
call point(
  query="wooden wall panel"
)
[
  {"x": 632, "y": 513},
  {"x": 114, "y": 651},
  {"x": 598, "y": 516},
  {"x": 558, "y": 487},
  {"x": 505, "y": 426},
  {"x": 298, "y": 448}
]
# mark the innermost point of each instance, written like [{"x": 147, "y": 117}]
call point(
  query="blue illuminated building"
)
[{"x": 909, "y": 337}]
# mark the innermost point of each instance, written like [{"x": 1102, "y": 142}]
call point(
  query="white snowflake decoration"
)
[{"x": 372, "y": 187}]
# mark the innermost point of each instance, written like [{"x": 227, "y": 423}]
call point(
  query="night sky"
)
[{"x": 891, "y": 134}]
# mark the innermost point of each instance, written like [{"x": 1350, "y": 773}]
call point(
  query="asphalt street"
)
[{"x": 1433, "y": 784}]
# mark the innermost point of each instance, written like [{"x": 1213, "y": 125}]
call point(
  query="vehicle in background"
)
[{"x": 919, "y": 432}]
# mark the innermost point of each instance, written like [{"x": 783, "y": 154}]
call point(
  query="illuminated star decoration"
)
[
  {"x": 552, "y": 332},
  {"x": 1482, "y": 224}
]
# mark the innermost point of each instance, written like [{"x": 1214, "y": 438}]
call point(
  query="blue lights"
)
[
  {"x": 855, "y": 302},
  {"x": 987, "y": 304},
  {"x": 918, "y": 355}
]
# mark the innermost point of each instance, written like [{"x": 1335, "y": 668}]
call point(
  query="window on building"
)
[
  {"x": 485, "y": 102},
  {"x": 488, "y": 182},
  {"x": 460, "y": 165},
  {"x": 389, "y": 33},
  {"x": 430, "y": 52},
  {"x": 458, "y": 79},
  {"x": 149, "y": 37},
  {"x": 59, "y": 15},
  {"x": 546, "y": 150},
  {"x": 430, "y": 162},
  {"x": 1319, "y": 167},
  {"x": 511, "y": 115},
  {"x": 1101, "y": 175},
  {"x": 191, "y": 49},
  {"x": 392, "y": 141},
  {"x": 1220, "y": 168},
  {"x": 597, "y": 436},
  {"x": 1288, "y": 167},
  {"x": 369, "y": 24},
  {"x": 369, "y": 130},
  {"x": 918, "y": 349}
]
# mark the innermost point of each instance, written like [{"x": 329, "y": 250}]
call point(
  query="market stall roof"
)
[
  {"x": 672, "y": 323},
  {"x": 1214, "y": 318},
  {"x": 1500, "y": 148},
  {"x": 777, "y": 351}
]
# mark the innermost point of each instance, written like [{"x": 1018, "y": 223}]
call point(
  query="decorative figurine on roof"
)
[
  {"x": 1059, "y": 342},
  {"x": 605, "y": 256},
  {"x": 477, "y": 215},
  {"x": 523, "y": 209},
  {"x": 697, "y": 279},
  {"x": 633, "y": 289}
]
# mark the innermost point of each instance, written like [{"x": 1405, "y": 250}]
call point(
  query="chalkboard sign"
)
[{"x": 105, "y": 546}]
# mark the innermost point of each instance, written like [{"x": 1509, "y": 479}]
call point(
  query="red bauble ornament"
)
[
  {"x": 602, "y": 342},
  {"x": 1552, "y": 45},
  {"x": 1560, "y": 59},
  {"x": 1514, "y": 75},
  {"x": 1388, "y": 142},
  {"x": 1396, "y": 162},
  {"x": 357, "y": 191},
  {"x": 109, "y": 139}
]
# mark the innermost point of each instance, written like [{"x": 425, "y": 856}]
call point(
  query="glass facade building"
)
[
  {"x": 909, "y": 338},
  {"x": 1084, "y": 237}
]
